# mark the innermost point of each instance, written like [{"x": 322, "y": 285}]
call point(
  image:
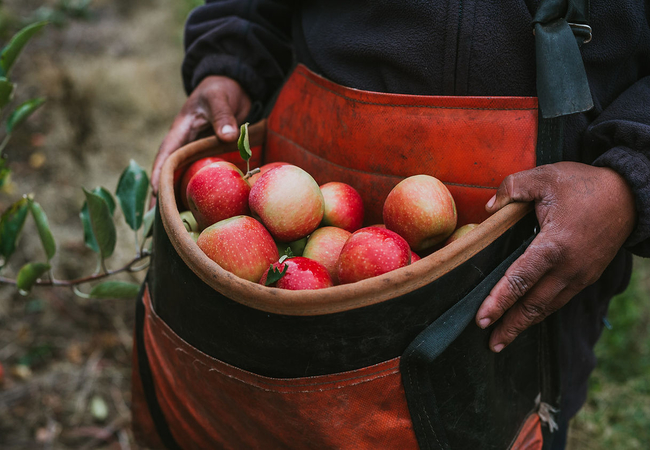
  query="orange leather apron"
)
[{"x": 370, "y": 141}]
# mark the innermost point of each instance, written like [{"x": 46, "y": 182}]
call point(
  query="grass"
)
[{"x": 617, "y": 412}]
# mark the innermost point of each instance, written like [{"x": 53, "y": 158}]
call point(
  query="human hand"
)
[
  {"x": 217, "y": 101},
  {"x": 585, "y": 214}
]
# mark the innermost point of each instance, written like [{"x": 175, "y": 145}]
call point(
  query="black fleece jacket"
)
[{"x": 455, "y": 47}]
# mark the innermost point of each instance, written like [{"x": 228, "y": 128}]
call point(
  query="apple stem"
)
[{"x": 250, "y": 173}]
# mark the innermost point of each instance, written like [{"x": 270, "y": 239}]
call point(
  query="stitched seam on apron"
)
[
  {"x": 401, "y": 177},
  {"x": 407, "y": 105}
]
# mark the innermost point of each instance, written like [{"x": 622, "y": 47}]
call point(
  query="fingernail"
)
[
  {"x": 490, "y": 202},
  {"x": 497, "y": 348},
  {"x": 484, "y": 322},
  {"x": 227, "y": 129}
]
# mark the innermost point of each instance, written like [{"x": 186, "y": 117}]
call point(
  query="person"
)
[{"x": 593, "y": 207}]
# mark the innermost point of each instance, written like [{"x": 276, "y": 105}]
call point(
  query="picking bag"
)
[{"x": 395, "y": 361}]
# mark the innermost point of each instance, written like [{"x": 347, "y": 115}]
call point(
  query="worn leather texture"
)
[{"x": 372, "y": 141}]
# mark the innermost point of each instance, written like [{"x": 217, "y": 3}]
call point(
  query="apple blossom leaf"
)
[
  {"x": 28, "y": 275},
  {"x": 288, "y": 253},
  {"x": 6, "y": 91},
  {"x": 243, "y": 143},
  {"x": 11, "y": 224},
  {"x": 10, "y": 52},
  {"x": 22, "y": 112},
  {"x": 89, "y": 236},
  {"x": 132, "y": 194},
  {"x": 274, "y": 275},
  {"x": 44, "y": 232},
  {"x": 101, "y": 222},
  {"x": 148, "y": 222},
  {"x": 115, "y": 289}
]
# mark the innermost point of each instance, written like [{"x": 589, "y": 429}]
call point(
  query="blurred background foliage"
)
[{"x": 110, "y": 70}]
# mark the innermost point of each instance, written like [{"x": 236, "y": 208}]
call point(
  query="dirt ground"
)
[{"x": 113, "y": 87}]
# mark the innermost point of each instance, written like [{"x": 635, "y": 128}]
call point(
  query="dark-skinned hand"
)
[
  {"x": 585, "y": 214},
  {"x": 219, "y": 102}
]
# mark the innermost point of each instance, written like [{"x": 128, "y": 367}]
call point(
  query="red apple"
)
[
  {"x": 189, "y": 173},
  {"x": 414, "y": 257},
  {"x": 240, "y": 245},
  {"x": 460, "y": 232},
  {"x": 265, "y": 168},
  {"x": 302, "y": 273},
  {"x": 324, "y": 245},
  {"x": 288, "y": 202},
  {"x": 343, "y": 206},
  {"x": 369, "y": 252},
  {"x": 421, "y": 210},
  {"x": 216, "y": 192}
]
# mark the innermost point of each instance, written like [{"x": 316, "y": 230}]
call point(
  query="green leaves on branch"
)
[
  {"x": 132, "y": 194},
  {"x": 11, "y": 224},
  {"x": 28, "y": 275},
  {"x": 114, "y": 289},
  {"x": 6, "y": 91},
  {"x": 89, "y": 235},
  {"x": 10, "y": 52},
  {"x": 22, "y": 112},
  {"x": 100, "y": 216},
  {"x": 49, "y": 245}
]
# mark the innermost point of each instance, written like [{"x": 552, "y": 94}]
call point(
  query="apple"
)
[
  {"x": 297, "y": 247},
  {"x": 421, "y": 210},
  {"x": 194, "y": 235},
  {"x": 369, "y": 252},
  {"x": 189, "y": 221},
  {"x": 343, "y": 206},
  {"x": 216, "y": 192},
  {"x": 301, "y": 273},
  {"x": 324, "y": 245},
  {"x": 288, "y": 202},
  {"x": 460, "y": 232},
  {"x": 414, "y": 257},
  {"x": 240, "y": 245},
  {"x": 265, "y": 168},
  {"x": 189, "y": 173}
]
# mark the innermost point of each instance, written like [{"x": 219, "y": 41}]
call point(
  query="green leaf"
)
[
  {"x": 6, "y": 91},
  {"x": 115, "y": 289},
  {"x": 22, "y": 112},
  {"x": 28, "y": 275},
  {"x": 89, "y": 236},
  {"x": 4, "y": 171},
  {"x": 43, "y": 229},
  {"x": 132, "y": 193},
  {"x": 243, "y": 144},
  {"x": 101, "y": 221},
  {"x": 10, "y": 52},
  {"x": 275, "y": 274},
  {"x": 148, "y": 222},
  {"x": 11, "y": 224}
]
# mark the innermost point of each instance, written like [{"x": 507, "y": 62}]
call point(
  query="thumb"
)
[
  {"x": 526, "y": 186},
  {"x": 223, "y": 119}
]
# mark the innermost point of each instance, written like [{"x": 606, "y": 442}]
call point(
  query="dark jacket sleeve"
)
[
  {"x": 247, "y": 40},
  {"x": 622, "y": 134}
]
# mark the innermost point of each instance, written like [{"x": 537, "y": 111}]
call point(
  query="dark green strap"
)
[
  {"x": 423, "y": 351},
  {"x": 560, "y": 28}
]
